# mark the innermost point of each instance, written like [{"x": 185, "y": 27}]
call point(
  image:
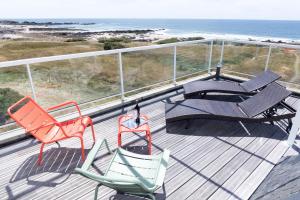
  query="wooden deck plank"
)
[
  {"x": 253, "y": 181},
  {"x": 209, "y": 148},
  {"x": 234, "y": 181},
  {"x": 216, "y": 182},
  {"x": 205, "y": 174}
]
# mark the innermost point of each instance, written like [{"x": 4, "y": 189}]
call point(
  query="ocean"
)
[{"x": 192, "y": 27}]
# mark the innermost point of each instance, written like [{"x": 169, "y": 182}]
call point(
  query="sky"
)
[{"x": 203, "y": 9}]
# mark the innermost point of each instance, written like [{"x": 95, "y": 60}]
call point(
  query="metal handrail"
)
[{"x": 119, "y": 52}]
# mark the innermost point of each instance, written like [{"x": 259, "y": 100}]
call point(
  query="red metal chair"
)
[{"x": 45, "y": 128}]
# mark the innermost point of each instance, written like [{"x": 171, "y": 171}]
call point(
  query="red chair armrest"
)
[{"x": 65, "y": 104}]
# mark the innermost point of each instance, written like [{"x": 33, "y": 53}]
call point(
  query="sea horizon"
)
[{"x": 285, "y": 30}]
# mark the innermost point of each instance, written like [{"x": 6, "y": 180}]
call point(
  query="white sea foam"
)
[{"x": 231, "y": 37}]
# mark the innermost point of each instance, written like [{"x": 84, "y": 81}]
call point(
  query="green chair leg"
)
[
  {"x": 152, "y": 196},
  {"x": 96, "y": 191}
]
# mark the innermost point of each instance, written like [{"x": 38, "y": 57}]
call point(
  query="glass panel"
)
[
  {"x": 244, "y": 58},
  {"x": 145, "y": 68},
  {"x": 285, "y": 62},
  {"x": 217, "y": 47},
  {"x": 14, "y": 84},
  {"x": 192, "y": 59},
  {"x": 82, "y": 79}
]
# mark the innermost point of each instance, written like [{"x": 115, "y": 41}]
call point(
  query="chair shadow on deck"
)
[
  {"x": 57, "y": 166},
  {"x": 120, "y": 196}
]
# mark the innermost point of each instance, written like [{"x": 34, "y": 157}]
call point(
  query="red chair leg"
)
[
  {"x": 41, "y": 154},
  {"x": 119, "y": 139},
  {"x": 93, "y": 131},
  {"x": 149, "y": 142},
  {"x": 82, "y": 148}
]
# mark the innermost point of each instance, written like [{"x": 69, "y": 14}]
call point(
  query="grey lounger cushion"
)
[{"x": 247, "y": 87}]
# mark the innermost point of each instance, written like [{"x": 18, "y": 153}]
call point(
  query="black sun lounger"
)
[
  {"x": 248, "y": 87},
  {"x": 259, "y": 108}
]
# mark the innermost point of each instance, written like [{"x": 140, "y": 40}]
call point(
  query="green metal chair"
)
[{"x": 128, "y": 172}]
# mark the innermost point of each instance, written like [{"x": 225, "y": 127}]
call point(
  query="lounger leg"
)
[
  {"x": 290, "y": 124},
  {"x": 96, "y": 191},
  {"x": 82, "y": 148},
  {"x": 41, "y": 154},
  {"x": 187, "y": 124}
]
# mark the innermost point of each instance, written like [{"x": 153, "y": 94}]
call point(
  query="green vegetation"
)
[
  {"x": 7, "y": 98},
  {"x": 114, "y": 39},
  {"x": 174, "y": 39},
  {"x": 75, "y": 40},
  {"x": 21, "y": 49},
  {"x": 169, "y": 40},
  {"x": 113, "y": 45}
]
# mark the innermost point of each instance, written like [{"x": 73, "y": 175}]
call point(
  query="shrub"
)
[
  {"x": 75, "y": 40},
  {"x": 169, "y": 40},
  {"x": 7, "y": 98},
  {"x": 113, "y": 45},
  {"x": 193, "y": 38},
  {"x": 115, "y": 39}
]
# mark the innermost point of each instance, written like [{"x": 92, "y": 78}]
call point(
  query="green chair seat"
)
[{"x": 128, "y": 172}]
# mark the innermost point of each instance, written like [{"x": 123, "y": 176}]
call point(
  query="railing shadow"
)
[{"x": 10, "y": 149}]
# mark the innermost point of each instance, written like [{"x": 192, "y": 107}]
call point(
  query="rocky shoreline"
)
[
  {"x": 49, "y": 30},
  {"x": 31, "y": 23}
]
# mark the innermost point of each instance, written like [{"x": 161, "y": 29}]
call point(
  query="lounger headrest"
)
[
  {"x": 265, "y": 99},
  {"x": 260, "y": 81}
]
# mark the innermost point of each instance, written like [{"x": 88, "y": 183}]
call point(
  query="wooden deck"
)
[{"x": 209, "y": 160}]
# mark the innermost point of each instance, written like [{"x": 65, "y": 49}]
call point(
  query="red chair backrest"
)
[{"x": 28, "y": 114}]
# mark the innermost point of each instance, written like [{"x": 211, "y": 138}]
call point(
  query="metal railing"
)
[
  {"x": 211, "y": 43},
  {"x": 119, "y": 52}
]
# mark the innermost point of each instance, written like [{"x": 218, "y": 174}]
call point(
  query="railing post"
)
[
  {"x": 295, "y": 128},
  {"x": 268, "y": 58},
  {"x": 210, "y": 57},
  {"x": 220, "y": 64},
  {"x": 121, "y": 75},
  {"x": 31, "y": 82},
  {"x": 222, "y": 53},
  {"x": 95, "y": 62},
  {"x": 174, "y": 64}
]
